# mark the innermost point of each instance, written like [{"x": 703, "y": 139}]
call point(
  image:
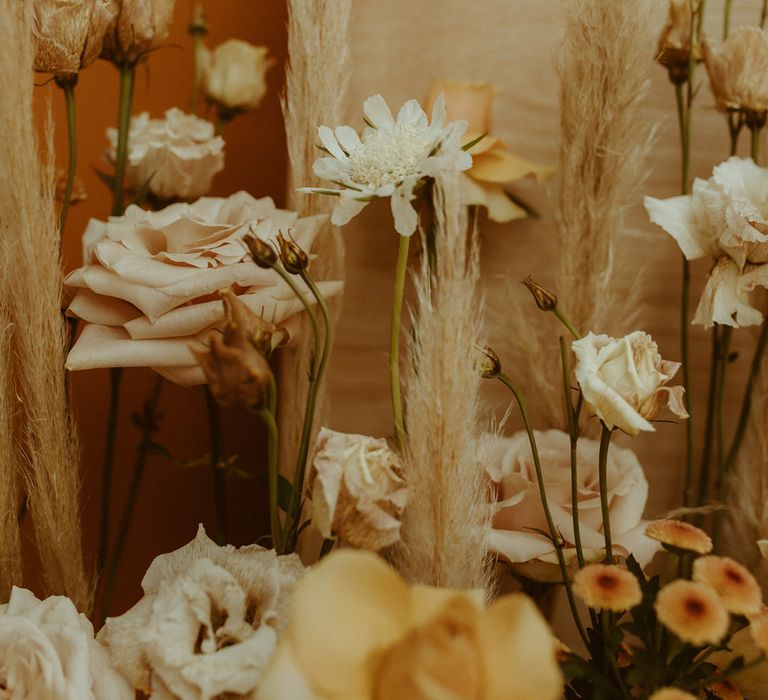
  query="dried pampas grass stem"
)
[
  {"x": 447, "y": 518},
  {"x": 43, "y": 445}
]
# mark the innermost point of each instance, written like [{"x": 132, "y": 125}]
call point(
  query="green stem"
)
[
  {"x": 326, "y": 547},
  {"x": 394, "y": 341},
  {"x": 149, "y": 427},
  {"x": 726, "y": 18},
  {"x": 706, "y": 458},
  {"x": 554, "y": 534},
  {"x": 68, "y": 86},
  {"x": 127, "y": 79},
  {"x": 605, "y": 442},
  {"x": 219, "y": 474},
  {"x": 755, "y": 133},
  {"x": 566, "y": 322},
  {"x": 573, "y": 433},
  {"x": 272, "y": 473},
  {"x": 197, "y": 43},
  {"x": 115, "y": 380}
]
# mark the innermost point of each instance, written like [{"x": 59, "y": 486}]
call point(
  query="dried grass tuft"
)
[
  {"x": 44, "y": 445},
  {"x": 447, "y": 518}
]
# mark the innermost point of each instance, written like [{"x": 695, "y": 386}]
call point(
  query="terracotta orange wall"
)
[{"x": 172, "y": 500}]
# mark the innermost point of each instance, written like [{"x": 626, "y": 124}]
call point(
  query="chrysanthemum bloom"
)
[
  {"x": 672, "y": 694},
  {"x": 725, "y": 690},
  {"x": 391, "y": 159},
  {"x": 623, "y": 380},
  {"x": 738, "y": 70},
  {"x": 357, "y": 630},
  {"x": 674, "y": 50},
  {"x": 737, "y": 588},
  {"x": 607, "y": 587},
  {"x": 692, "y": 611},
  {"x": 758, "y": 628},
  {"x": 493, "y": 165},
  {"x": 725, "y": 218},
  {"x": 679, "y": 536}
]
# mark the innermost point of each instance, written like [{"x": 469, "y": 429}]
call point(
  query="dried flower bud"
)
[
  {"x": 263, "y": 254},
  {"x": 545, "y": 300},
  {"x": 675, "y": 41},
  {"x": 294, "y": 259},
  {"x": 490, "y": 365},
  {"x": 70, "y": 34},
  {"x": 235, "y": 364},
  {"x": 198, "y": 24},
  {"x": 738, "y": 70},
  {"x": 140, "y": 27}
]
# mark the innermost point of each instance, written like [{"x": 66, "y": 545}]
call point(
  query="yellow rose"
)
[{"x": 357, "y": 630}]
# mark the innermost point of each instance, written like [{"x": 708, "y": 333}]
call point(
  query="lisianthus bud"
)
[
  {"x": 545, "y": 300},
  {"x": 70, "y": 33},
  {"x": 490, "y": 365},
  {"x": 141, "y": 25},
  {"x": 294, "y": 259},
  {"x": 675, "y": 41},
  {"x": 234, "y": 74},
  {"x": 263, "y": 254}
]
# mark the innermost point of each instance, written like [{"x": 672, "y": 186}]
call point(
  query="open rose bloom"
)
[
  {"x": 725, "y": 218},
  {"x": 519, "y": 514},
  {"x": 148, "y": 289}
]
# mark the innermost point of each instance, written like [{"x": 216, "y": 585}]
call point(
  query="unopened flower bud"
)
[
  {"x": 294, "y": 259},
  {"x": 263, "y": 254},
  {"x": 545, "y": 300},
  {"x": 675, "y": 42},
  {"x": 490, "y": 365},
  {"x": 198, "y": 24}
]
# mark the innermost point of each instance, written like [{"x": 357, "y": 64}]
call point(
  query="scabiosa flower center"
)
[{"x": 388, "y": 157}]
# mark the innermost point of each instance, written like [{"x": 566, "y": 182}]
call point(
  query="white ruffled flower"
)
[
  {"x": 623, "y": 380},
  {"x": 358, "y": 490},
  {"x": 177, "y": 155},
  {"x": 390, "y": 160},
  {"x": 47, "y": 651},
  {"x": 234, "y": 74},
  {"x": 519, "y": 522},
  {"x": 726, "y": 218},
  {"x": 208, "y": 623}
]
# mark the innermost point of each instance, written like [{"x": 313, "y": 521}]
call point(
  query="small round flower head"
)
[
  {"x": 607, "y": 587},
  {"x": 672, "y": 694},
  {"x": 692, "y": 611},
  {"x": 736, "y": 587},
  {"x": 725, "y": 690},
  {"x": 758, "y": 628},
  {"x": 679, "y": 536}
]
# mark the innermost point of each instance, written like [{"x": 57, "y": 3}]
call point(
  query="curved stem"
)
[
  {"x": 127, "y": 79},
  {"x": 566, "y": 322},
  {"x": 68, "y": 86},
  {"x": 115, "y": 380},
  {"x": 394, "y": 341},
  {"x": 197, "y": 42},
  {"x": 149, "y": 427},
  {"x": 219, "y": 474},
  {"x": 554, "y": 534},
  {"x": 272, "y": 472},
  {"x": 605, "y": 442}
]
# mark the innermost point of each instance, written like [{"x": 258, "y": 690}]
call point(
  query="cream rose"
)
[
  {"x": 70, "y": 33},
  {"x": 726, "y": 218},
  {"x": 622, "y": 379},
  {"x": 47, "y": 651},
  {"x": 149, "y": 286},
  {"x": 357, "y": 630},
  {"x": 358, "y": 490},
  {"x": 234, "y": 74},
  {"x": 519, "y": 515},
  {"x": 208, "y": 623},
  {"x": 140, "y": 27},
  {"x": 177, "y": 155}
]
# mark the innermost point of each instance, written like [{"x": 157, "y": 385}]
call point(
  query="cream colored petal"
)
[
  {"x": 100, "y": 309},
  {"x": 493, "y": 197},
  {"x": 519, "y": 652},
  {"x": 428, "y": 601},
  {"x": 725, "y": 299},
  {"x": 499, "y": 165},
  {"x": 285, "y": 679},
  {"x": 612, "y": 409},
  {"x": 347, "y": 608},
  {"x": 676, "y": 216}
]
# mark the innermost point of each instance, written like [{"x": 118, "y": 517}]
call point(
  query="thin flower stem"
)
[
  {"x": 573, "y": 433},
  {"x": 605, "y": 442},
  {"x": 755, "y": 133},
  {"x": 566, "y": 322},
  {"x": 268, "y": 417},
  {"x": 763, "y": 14},
  {"x": 725, "y": 342},
  {"x": 326, "y": 547},
  {"x": 149, "y": 427},
  {"x": 219, "y": 474},
  {"x": 726, "y": 18},
  {"x": 394, "y": 341},
  {"x": 127, "y": 80},
  {"x": 554, "y": 534},
  {"x": 115, "y": 379},
  {"x": 197, "y": 43},
  {"x": 68, "y": 86},
  {"x": 706, "y": 458}
]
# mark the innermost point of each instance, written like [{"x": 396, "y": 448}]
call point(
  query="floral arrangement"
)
[{"x": 424, "y": 564}]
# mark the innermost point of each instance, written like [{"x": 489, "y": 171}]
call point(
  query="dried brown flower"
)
[
  {"x": 140, "y": 27},
  {"x": 675, "y": 41},
  {"x": 294, "y": 259},
  {"x": 545, "y": 300}
]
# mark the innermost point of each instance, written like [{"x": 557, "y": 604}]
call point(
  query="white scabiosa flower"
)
[{"x": 390, "y": 160}]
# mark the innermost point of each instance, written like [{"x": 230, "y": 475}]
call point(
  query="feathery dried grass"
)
[
  {"x": 445, "y": 524},
  {"x": 315, "y": 91},
  {"x": 603, "y": 66},
  {"x": 44, "y": 445}
]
